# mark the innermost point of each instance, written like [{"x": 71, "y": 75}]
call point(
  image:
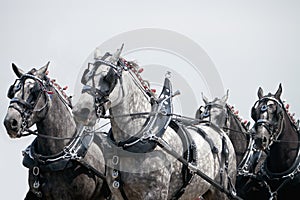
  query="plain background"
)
[{"x": 252, "y": 43}]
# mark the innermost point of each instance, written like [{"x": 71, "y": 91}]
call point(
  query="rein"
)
[{"x": 35, "y": 132}]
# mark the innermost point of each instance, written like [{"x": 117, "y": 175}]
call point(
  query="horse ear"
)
[
  {"x": 97, "y": 53},
  {"x": 204, "y": 98},
  {"x": 116, "y": 55},
  {"x": 278, "y": 92},
  {"x": 17, "y": 70},
  {"x": 225, "y": 97},
  {"x": 260, "y": 93},
  {"x": 43, "y": 69}
]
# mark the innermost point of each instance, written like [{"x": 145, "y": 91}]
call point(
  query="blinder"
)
[
  {"x": 35, "y": 92},
  {"x": 11, "y": 92},
  {"x": 253, "y": 111},
  {"x": 111, "y": 78},
  {"x": 205, "y": 112},
  {"x": 14, "y": 88},
  {"x": 86, "y": 75}
]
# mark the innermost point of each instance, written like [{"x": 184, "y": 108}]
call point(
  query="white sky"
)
[{"x": 252, "y": 43}]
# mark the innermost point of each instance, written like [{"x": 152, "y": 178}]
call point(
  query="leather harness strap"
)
[
  {"x": 70, "y": 157},
  {"x": 189, "y": 154}
]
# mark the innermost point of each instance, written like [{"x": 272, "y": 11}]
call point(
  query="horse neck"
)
[
  {"x": 236, "y": 128},
  {"x": 236, "y": 132},
  {"x": 58, "y": 122},
  {"x": 286, "y": 149},
  {"x": 133, "y": 101}
]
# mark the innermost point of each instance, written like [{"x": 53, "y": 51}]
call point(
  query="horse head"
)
[
  {"x": 29, "y": 100},
  {"x": 215, "y": 111},
  {"x": 101, "y": 87},
  {"x": 267, "y": 113}
]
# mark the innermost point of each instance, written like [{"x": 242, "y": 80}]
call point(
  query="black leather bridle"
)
[
  {"x": 26, "y": 107},
  {"x": 100, "y": 95},
  {"x": 273, "y": 128}
]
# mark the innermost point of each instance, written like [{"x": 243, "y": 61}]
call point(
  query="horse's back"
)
[
  {"x": 209, "y": 145},
  {"x": 217, "y": 140}
]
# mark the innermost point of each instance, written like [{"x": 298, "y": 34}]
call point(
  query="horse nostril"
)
[
  {"x": 11, "y": 124},
  {"x": 14, "y": 123},
  {"x": 264, "y": 141},
  {"x": 258, "y": 142}
]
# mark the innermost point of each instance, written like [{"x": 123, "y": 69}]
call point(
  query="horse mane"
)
[
  {"x": 235, "y": 114},
  {"x": 61, "y": 92},
  {"x": 137, "y": 70},
  {"x": 290, "y": 116}
]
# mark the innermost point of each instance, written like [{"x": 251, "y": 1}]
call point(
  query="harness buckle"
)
[
  {"x": 147, "y": 134},
  {"x": 222, "y": 171},
  {"x": 115, "y": 173},
  {"x": 115, "y": 160},
  {"x": 116, "y": 184},
  {"x": 38, "y": 194},
  {"x": 36, "y": 184},
  {"x": 35, "y": 171}
]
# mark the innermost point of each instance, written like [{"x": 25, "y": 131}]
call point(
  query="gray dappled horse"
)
[
  {"x": 278, "y": 135},
  {"x": 146, "y": 148},
  {"x": 249, "y": 160},
  {"x": 217, "y": 111},
  {"x": 62, "y": 160}
]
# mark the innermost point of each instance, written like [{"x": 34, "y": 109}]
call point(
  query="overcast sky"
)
[{"x": 251, "y": 44}]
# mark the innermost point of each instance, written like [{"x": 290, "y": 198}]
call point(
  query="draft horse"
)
[
  {"x": 220, "y": 113},
  {"x": 152, "y": 153},
  {"x": 64, "y": 161},
  {"x": 277, "y": 134}
]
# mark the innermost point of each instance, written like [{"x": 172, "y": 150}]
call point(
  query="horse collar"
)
[
  {"x": 290, "y": 173},
  {"x": 154, "y": 126},
  {"x": 76, "y": 150}
]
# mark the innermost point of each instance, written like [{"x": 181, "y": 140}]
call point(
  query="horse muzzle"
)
[
  {"x": 84, "y": 116},
  {"x": 12, "y": 123}
]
